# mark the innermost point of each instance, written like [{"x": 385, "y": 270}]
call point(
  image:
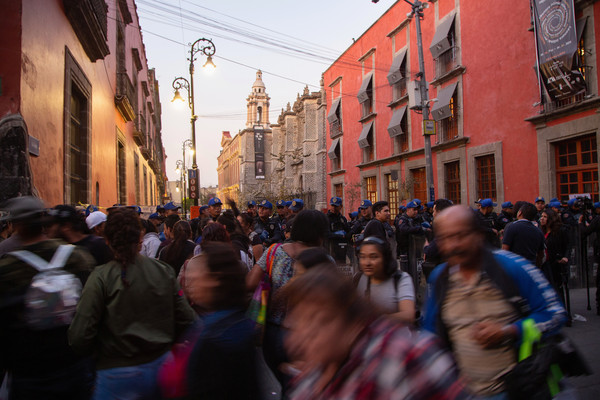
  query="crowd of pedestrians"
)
[{"x": 160, "y": 310}]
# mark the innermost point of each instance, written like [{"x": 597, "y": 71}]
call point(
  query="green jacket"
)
[{"x": 129, "y": 325}]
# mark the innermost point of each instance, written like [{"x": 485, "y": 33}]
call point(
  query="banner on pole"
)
[{"x": 193, "y": 183}]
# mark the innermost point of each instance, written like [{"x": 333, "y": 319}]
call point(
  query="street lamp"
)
[
  {"x": 206, "y": 47},
  {"x": 180, "y": 169}
]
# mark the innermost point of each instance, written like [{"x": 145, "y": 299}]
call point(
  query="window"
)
[
  {"x": 449, "y": 126},
  {"x": 121, "y": 169},
  {"x": 443, "y": 47},
  {"x": 577, "y": 167},
  {"x": 365, "y": 95},
  {"x": 398, "y": 129},
  {"x": 453, "y": 182},
  {"x": 338, "y": 190},
  {"x": 397, "y": 76},
  {"x": 392, "y": 194},
  {"x": 371, "y": 186},
  {"x": 486, "y": 177},
  {"x": 334, "y": 154},
  {"x": 366, "y": 142},
  {"x": 445, "y": 112},
  {"x": 419, "y": 184},
  {"x": 335, "y": 118},
  {"x": 136, "y": 175}
]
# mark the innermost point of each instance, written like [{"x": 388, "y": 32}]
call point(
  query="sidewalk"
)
[{"x": 586, "y": 336}]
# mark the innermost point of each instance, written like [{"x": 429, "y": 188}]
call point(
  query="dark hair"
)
[
  {"x": 173, "y": 252},
  {"x": 214, "y": 233},
  {"x": 553, "y": 224},
  {"x": 232, "y": 225},
  {"x": 310, "y": 227},
  {"x": 148, "y": 226},
  {"x": 123, "y": 230},
  {"x": 247, "y": 219},
  {"x": 322, "y": 285},
  {"x": 517, "y": 206},
  {"x": 64, "y": 214},
  {"x": 171, "y": 220},
  {"x": 390, "y": 265},
  {"x": 313, "y": 257},
  {"x": 442, "y": 204},
  {"x": 379, "y": 205},
  {"x": 528, "y": 211},
  {"x": 223, "y": 263}
]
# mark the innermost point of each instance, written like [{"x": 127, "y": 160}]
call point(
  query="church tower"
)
[{"x": 258, "y": 104}]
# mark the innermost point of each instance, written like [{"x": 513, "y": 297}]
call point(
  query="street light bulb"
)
[
  {"x": 177, "y": 189},
  {"x": 191, "y": 151},
  {"x": 209, "y": 63},
  {"x": 177, "y": 97},
  {"x": 177, "y": 170}
]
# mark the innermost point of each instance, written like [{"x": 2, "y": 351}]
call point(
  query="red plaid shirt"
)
[{"x": 387, "y": 363}]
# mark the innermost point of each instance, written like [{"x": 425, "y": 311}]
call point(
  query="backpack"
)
[{"x": 53, "y": 294}]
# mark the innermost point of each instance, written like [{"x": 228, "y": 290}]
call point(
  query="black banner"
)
[
  {"x": 259, "y": 152},
  {"x": 556, "y": 43}
]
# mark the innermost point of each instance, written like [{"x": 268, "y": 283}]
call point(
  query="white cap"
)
[{"x": 95, "y": 219}]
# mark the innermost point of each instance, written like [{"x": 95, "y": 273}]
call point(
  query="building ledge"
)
[
  {"x": 454, "y": 72},
  {"x": 368, "y": 117},
  {"x": 337, "y": 173},
  {"x": 584, "y": 105},
  {"x": 402, "y": 99},
  {"x": 459, "y": 141}
]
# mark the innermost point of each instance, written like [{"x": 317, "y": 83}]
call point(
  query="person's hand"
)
[
  {"x": 490, "y": 334},
  {"x": 563, "y": 260}
]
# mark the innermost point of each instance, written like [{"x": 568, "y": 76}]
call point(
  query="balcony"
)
[
  {"x": 139, "y": 133},
  {"x": 126, "y": 97},
  {"x": 551, "y": 106}
]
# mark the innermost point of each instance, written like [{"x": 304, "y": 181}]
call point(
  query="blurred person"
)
[
  {"x": 95, "y": 223},
  {"x": 431, "y": 253},
  {"x": 160, "y": 210},
  {"x": 169, "y": 224},
  {"x": 247, "y": 223},
  {"x": 130, "y": 313},
  {"x": 586, "y": 230},
  {"x": 150, "y": 241},
  {"x": 68, "y": 224},
  {"x": 311, "y": 258},
  {"x": 239, "y": 240},
  {"x": 522, "y": 237},
  {"x": 365, "y": 215},
  {"x": 181, "y": 247},
  {"x": 222, "y": 363},
  {"x": 488, "y": 218},
  {"x": 40, "y": 362},
  {"x": 557, "y": 251},
  {"x": 343, "y": 349},
  {"x": 479, "y": 299},
  {"x": 382, "y": 284},
  {"x": 308, "y": 230},
  {"x": 540, "y": 204},
  {"x": 5, "y": 230}
]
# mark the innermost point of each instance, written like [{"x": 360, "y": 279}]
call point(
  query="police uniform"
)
[{"x": 268, "y": 229}]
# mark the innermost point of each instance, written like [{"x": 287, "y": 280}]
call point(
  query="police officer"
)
[
  {"x": 488, "y": 218},
  {"x": 407, "y": 224},
  {"x": 251, "y": 208},
  {"x": 267, "y": 227},
  {"x": 505, "y": 216},
  {"x": 338, "y": 230},
  {"x": 295, "y": 207},
  {"x": 428, "y": 213},
  {"x": 214, "y": 208},
  {"x": 540, "y": 204},
  {"x": 570, "y": 216},
  {"x": 588, "y": 229},
  {"x": 366, "y": 214}
]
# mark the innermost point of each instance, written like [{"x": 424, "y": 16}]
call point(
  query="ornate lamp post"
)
[
  {"x": 180, "y": 169},
  {"x": 206, "y": 47}
]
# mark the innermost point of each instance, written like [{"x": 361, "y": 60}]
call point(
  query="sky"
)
[{"x": 292, "y": 42}]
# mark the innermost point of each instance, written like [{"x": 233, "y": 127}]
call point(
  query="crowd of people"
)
[{"x": 163, "y": 308}]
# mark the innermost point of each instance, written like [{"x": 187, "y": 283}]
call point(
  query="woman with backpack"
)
[
  {"x": 130, "y": 313},
  {"x": 381, "y": 283}
]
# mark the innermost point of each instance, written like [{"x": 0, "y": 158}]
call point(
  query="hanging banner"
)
[
  {"x": 259, "y": 152},
  {"x": 193, "y": 184},
  {"x": 556, "y": 43}
]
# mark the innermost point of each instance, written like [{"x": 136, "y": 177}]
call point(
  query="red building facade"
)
[
  {"x": 495, "y": 137},
  {"x": 74, "y": 77}
]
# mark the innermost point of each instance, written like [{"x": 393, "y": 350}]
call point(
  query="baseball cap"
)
[
  {"x": 137, "y": 209},
  {"x": 596, "y": 204},
  {"x": 22, "y": 207},
  {"x": 365, "y": 204},
  {"x": 412, "y": 204},
  {"x": 96, "y": 218},
  {"x": 64, "y": 213},
  {"x": 251, "y": 203},
  {"x": 554, "y": 199},
  {"x": 402, "y": 208},
  {"x": 154, "y": 216},
  {"x": 487, "y": 203},
  {"x": 539, "y": 198},
  {"x": 214, "y": 201},
  {"x": 202, "y": 208},
  {"x": 171, "y": 206},
  {"x": 90, "y": 209},
  {"x": 159, "y": 207},
  {"x": 354, "y": 214},
  {"x": 555, "y": 204},
  {"x": 281, "y": 203},
  {"x": 297, "y": 205},
  {"x": 336, "y": 201},
  {"x": 571, "y": 202},
  {"x": 429, "y": 204},
  {"x": 266, "y": 204},
  {"x": 507, "y": 204}
]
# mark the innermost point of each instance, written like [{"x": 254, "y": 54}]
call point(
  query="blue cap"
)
[
  {"x": 429, "y": 204},
  {"x": 297, "y": 205},
  {"x": 171, "y": 206},
  {"x": 281, "y": 203},
  {"x": 251, "y": 203},
  {"x": 336, "y": 201},
  {"x": 554, "y": 199},
  {"x": 539, "y": 198},
  {"x": 159, "y": 207},
  {"x": 154, "y": 216},
  {"x": 266, "y": 204},
  {"x": 354, "y": 214},
  {"x": 487, "y": 203},
  {"x": 137, "y": 209},
  {"x": 288, "y": 203},
  {"x": 596, "y": 204},
  {"x": 402, "y": 208},
  {"x": 90, "y": 209},
  {"x": 507, "y": 204},
  {"x": 571, "y": 202},
  {"x": 411, "y": 204},
  {"x": 554, "y": 204},
  {"x": 117, "y": 205},
  {"x": 214, "y": 201},
  {"x": 202, "y": 208},
  {"x": 365, "y": 204}
]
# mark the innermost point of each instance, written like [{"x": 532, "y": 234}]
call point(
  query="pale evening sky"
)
[{"x": 296, "y": 40}]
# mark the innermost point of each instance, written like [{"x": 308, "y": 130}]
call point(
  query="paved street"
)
[{"x": 586, "y": 336}]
